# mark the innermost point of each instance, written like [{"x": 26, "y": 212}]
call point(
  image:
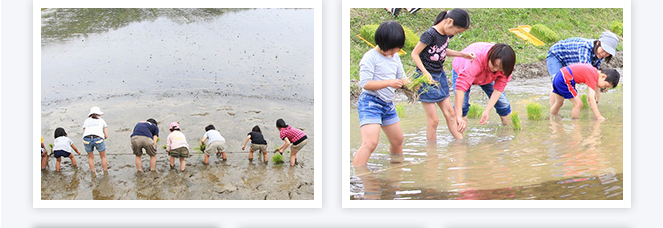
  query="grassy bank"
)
[{"x": 489, "y": 25}]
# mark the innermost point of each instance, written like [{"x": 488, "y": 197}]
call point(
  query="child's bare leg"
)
[
  {"x": 264, "y": 155},
  {"x": 139, "y": 164},
  {"x": 44, "y": 161},
  {"x": 450, "y": 116},
  {"x": 206, "y": 161},
  {"x": 172, "y": 162},
  {"x": 104, "y": 162},
  {"x": 250, "y": 154},
  {"x": 293, "y": 156},
  {"x": 370, "y": 134},
  {"x": 73, "y": 160},
  {"x": 182, "y": 164},
  {"x": 431, "y": 121},
  {"x": 577, "y": 106},
  {"x": 153, "y": 163},
  {"x": 557, "y": 103},
  {"x": 57, "y": 164},
  {"x": 90, "y": 161},
  {"x": 223, "y": 155},
  {"x": 505, "y": 119},
  {"x": 395, "y": 136}
]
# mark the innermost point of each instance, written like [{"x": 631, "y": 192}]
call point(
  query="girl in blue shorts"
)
[
  {"x": 429, "y": 55},
  {"x": 381, "y": 73}
]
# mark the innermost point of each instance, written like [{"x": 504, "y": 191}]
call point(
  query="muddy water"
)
[
  {"x": 562, "y": 159},
  {"x": 193, "y": 66}
]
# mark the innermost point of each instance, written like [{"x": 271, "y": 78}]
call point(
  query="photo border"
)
[
  {"x": 346, "y": 166},
  {"x": 316, "y": 5}
]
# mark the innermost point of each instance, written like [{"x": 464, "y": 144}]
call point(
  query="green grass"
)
[
  {"x": 585, "y": 102},
  {"x": 617, "y": 27},
  {"x": 515, "y": 120},
  {"x": 544, "y": 33},
  {"x": 534, "y": 111},
  {"x": 488, "y": 25},
  {"x": 475, "y": 111},
  {"x": 400, "y": 109}
]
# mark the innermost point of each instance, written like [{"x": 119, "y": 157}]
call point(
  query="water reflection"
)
[
  {"x": 548, "y": 159},
  {"x": 59, "y": 24}
]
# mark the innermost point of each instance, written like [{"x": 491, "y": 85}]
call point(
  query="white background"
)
[{"x": 16, "y": 160}]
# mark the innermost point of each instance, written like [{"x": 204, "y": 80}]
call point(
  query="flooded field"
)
[
  {"x": 194, "y": 66},
  {"x": 546, "y": 160}
]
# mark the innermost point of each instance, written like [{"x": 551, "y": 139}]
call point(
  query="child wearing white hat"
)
[{"x": 95, "y": 131}]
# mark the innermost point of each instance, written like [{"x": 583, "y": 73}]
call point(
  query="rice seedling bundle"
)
[
  {"x": 515, "y": 120},
  {"x": 400, "y": 109},
  {"x": 475, "y": 111},
  {"x": 277, "y": 158},
  {"x": 534, "y": 111},
  {"x": 544, "y": 33},
  {"x": 585, "y": 102}
]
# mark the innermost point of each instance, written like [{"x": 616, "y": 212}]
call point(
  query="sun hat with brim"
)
[
  {"x": 609, "y": 42},
  {"x": 95, "y": 110},
  {"x": 174, "y": 126}
]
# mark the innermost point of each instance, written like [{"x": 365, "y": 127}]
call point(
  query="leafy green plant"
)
[
  {"x": 515, "y": 120},
  {"x": 544, "y": 33},
  {"x": 400, "y": 109},
  {"x": 534, "y": 111},
  {"x": 585, "y": 102},
  {"x": 475, "y": 111},
  {"x": 418, "y": 81},
  {"x": 200, "y": 148}
]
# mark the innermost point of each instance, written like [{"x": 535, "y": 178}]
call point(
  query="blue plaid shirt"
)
[{"x": 575, "y": 50}]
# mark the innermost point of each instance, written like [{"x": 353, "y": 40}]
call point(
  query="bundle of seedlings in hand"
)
[
  {"x": 475, "y": 111},
  {"x": 585, "y": 102},
  {"x": 200, "y": 148},
  {"x": 277, "y": 158},
  {"x": 534, "y": 111},
  {"x": 515, "y": 120}
]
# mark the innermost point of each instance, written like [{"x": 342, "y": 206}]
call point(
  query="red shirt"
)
[
  {"x": 476, "y": 72},
  {"x": 582, "y": 73}
]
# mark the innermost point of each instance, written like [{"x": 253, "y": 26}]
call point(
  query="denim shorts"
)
[
  {"x": 92, "y": 141},
  {"x": 554, "y": 65},
  {"x": 372, "y": 110},
  {"x": 434, "y": 93},
  {"x": 502, "y": 106}
]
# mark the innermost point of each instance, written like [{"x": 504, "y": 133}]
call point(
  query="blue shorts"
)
[
  {"x": 554, "y": 65},
  {"x": 92, "y": 141},
  {"x": 434, "y": 93},
  {"x": 560, "y": 87},
  {"x": 372, "y": 110},
  {"x": 61, "y": 153}
]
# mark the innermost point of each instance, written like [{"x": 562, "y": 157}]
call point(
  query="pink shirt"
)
[
  {"x": 293, "y": 134},
  {"x": 176, "y": 140},
  {"x": 476, "y": 72}
]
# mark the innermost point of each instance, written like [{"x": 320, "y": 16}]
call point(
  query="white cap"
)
[
  {"x": 95, "y": 110},
  {"x": 609, "y": 42}
]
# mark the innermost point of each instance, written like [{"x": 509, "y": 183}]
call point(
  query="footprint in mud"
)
[
  {"x": 125, "y": 129},
  {"x": 231, "y": 113},
  {"x": 200, "y": 114},
  {"x": 253, "y": 111}
]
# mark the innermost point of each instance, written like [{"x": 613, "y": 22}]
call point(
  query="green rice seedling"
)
[
  {"x": 534, "y": 111},
  {"x": 164, "y": 147},
  {"x": 400, "y": 109},
  {"x": 50, "y": 145},
  {"x": 200, "y": 149},
  {"x": 475, "y": 111},
  {"x": 585, "y": 102},
  {"x": 277, "y": 158},
  {"x": 515, "y": 120},
  {"x": 544, "y": 33},
  {"x": 414, "y": 82}
]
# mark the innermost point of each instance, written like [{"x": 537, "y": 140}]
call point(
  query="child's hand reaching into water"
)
[{"x": 484, "y": 117}]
